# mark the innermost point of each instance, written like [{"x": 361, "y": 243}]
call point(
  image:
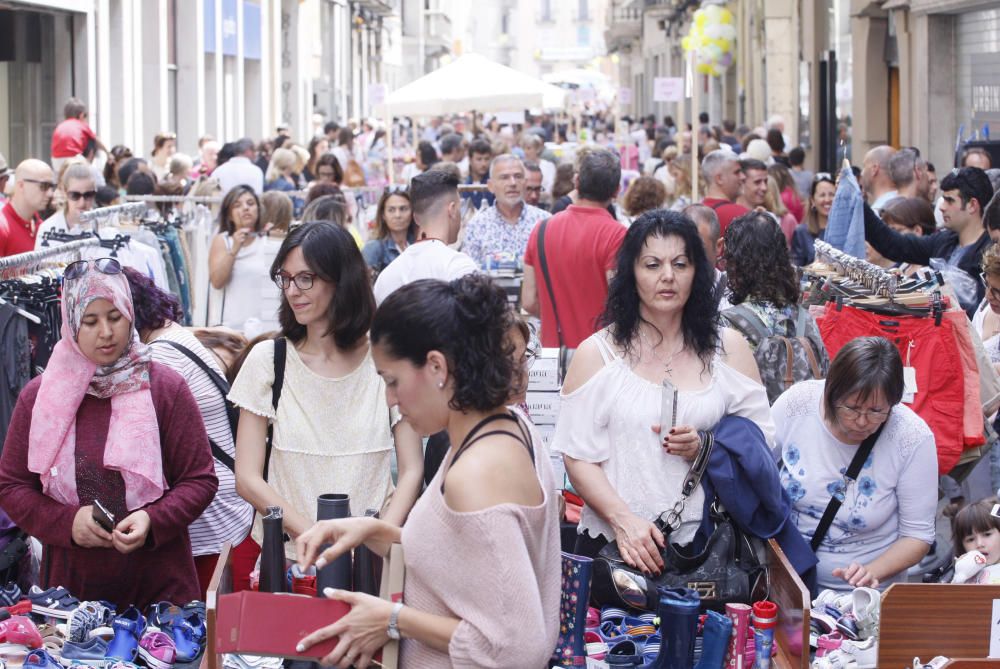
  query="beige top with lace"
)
[{"x": 331, "y": 435}]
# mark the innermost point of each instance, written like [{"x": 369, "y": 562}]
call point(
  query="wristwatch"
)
[{"x": 393, "y": 630}]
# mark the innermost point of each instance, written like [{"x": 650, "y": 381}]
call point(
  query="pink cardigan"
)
[{"x": 498, "y": 570}]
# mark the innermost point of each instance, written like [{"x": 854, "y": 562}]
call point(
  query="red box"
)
[{"x": 264, "y": 623}]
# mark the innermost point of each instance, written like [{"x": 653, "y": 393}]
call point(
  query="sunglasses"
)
[
  {"x": 75, "y": 195},
  {"x": 104, "y": 265},
  {"x": 45, "y": 186},
  {"x": 822, "y": 176}
]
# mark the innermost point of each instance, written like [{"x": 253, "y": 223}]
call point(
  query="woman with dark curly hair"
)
[
  {"x": 482, "y": 543},
  {"x": 228, "y": 517},
  {"x": 333, "y": 430},
  {"x": 661, "y": 324},
  {"x": 764, "y": 290},
  {"x": 643, "y": 194}
]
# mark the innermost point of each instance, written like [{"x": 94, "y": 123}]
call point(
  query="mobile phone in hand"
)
[{"x": 103, "y": 517}]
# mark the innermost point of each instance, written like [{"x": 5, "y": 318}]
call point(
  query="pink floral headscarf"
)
[{"x": 133, "y": 443}]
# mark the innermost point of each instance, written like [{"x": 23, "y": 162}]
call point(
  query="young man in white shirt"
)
[{"x": 437, "y": 211}]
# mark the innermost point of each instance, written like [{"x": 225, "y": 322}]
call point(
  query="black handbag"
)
[{"x": 731, "y": 568}]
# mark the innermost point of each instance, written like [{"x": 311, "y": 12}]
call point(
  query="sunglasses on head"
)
[
  {"x": 104, "y": 265},
  {"x": 75, "y": 195},
  {"x": 823, "y": 176}
]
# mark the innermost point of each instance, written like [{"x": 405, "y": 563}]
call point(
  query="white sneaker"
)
[
  {"x": 864, "y": 653},
  {"x": 867, "y": 604}
]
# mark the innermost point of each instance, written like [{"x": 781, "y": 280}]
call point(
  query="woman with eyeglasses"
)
[
  {"x": 79, "y": 192},
  {"x": 886, "y": 522},
  {"x": 395, "y": 229},
  {"x": 814, "y": 226},
  {"x": 106, "y": 427},
  {"x": 333, "y": 431},
  {"x": 239, "y": 259}
]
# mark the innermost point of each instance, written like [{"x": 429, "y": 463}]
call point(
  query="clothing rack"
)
[
  {"x": 34, "y": 258},
  {"x": 128, "y": 210},
  {"x": 209, "y": 199},
  {"x": 873, "y": 277}
]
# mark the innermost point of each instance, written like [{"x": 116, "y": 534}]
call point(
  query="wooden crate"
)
[{"x": 220, "y": 584}]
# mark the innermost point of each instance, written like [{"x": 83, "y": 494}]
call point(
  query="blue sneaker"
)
[
  {"x": 87, "y": 617},
  {"x": 54, "y": 602},
  {"x": 189, "y": 637},
  {"x": 128, "y": 628},
  {"x": 40, "y": 659},
  {"x": 92, "y": 652},
  {"x": 10, "y": 594}
]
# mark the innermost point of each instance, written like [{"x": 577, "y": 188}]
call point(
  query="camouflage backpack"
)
[{"x": 783, "y": 360}]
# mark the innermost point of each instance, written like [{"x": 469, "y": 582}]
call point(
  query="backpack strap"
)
[
  {"x": 548, "y": 281},
  {"x": 223, "y": 387},
  {"x": 752, "y": 319},
  {"x": 280, "y": 355}
]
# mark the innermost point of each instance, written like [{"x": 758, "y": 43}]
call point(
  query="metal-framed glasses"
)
[
  {"x": 302, "y": 280},
  {"x": 994, "y": 292},
  {"x": 75, "y": 270},
  {"x": 45, "y": 186},
  {"x": 869, "y": 414}
]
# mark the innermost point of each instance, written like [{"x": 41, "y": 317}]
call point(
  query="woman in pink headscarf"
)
[{"x": 105, "y": 423}]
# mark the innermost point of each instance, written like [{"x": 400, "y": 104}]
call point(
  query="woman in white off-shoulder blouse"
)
[{"x": 662, "y": 324}]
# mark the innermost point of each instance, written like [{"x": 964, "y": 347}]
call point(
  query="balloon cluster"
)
[{"x": 711, "y": 38}]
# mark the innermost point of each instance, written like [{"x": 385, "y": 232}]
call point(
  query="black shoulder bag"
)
[
  {"x": 850, "y": 477},
  {"x": 565, "y": 354},
  {"x": 728, "y": 569}
]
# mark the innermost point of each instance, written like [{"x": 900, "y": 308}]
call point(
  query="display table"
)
[
  {"x": 792, "y": 597},
  {"x": 929, "y": 619}
]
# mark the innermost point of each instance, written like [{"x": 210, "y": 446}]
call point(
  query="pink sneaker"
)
[
  {"x": 158, "y": 650},
  {"x": 828, "y": 643}
]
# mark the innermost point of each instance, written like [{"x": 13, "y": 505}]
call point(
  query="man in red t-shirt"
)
[
  {"x": 34, "y": 184},
  {"x": 724, "y": 183},
  {"x": 71, "y": 137},
  {"x": 581, "y": 245}
]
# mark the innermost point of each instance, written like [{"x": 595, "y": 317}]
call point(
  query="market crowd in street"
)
[{"x": 371, "y": 308}]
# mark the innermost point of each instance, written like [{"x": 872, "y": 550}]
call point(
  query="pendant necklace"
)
[{"x": 668, "y": 363}]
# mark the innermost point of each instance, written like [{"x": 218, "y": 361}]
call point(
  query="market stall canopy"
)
[{"x": 473, "y": 82}]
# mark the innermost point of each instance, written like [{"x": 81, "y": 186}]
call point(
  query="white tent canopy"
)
[{"x": 473, "y": 82}]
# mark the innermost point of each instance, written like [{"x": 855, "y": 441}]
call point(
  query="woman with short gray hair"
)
[{"x": 886, "y": 522}]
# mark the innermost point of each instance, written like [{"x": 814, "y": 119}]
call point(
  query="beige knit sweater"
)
[{"x": 497, "y": 570}]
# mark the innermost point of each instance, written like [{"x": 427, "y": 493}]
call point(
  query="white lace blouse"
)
[{"x": 607, "y": 421}]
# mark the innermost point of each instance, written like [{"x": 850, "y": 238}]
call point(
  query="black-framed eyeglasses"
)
[
  {"x": 870, "y": 414},
  {"x": 302, "y": 280},
  {"x": 994, "y": 292},
  {"x": 46, "y": 186},
  {"x": 104, "y": 265},
  {"x": 75, "y": 195}
]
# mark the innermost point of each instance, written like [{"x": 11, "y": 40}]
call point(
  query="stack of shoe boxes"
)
[{"x": 543, "y": 401}]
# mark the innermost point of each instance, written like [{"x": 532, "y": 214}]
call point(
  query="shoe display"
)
[
  {"x": 157, "y": 650},
  {"x": 92, "y": 652},
  {"x": 53, "y": 602},
  {"x": 867, "y": 603},
  {"x": 129, "y": 627}
]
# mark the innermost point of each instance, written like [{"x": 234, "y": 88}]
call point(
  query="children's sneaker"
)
[
  {"x": 863, "y": 653},
  {"x": 19, "y": 631},
  {"x": 867, "y": 604},
  {"x": 10, "y": 594},
  {"x": 40, "y": 659},
  {"x": 128, "y": 627},
  {"x": 91, "y": 652},
  {"x": 54, "y": 602},
  {"x": 157, "y": 650},
  {"x": 189, "y": 637},
  {"x": 827, "y": 643},
  {"x": 86, "y": 618}
]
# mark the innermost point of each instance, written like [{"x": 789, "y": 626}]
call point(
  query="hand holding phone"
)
[{"x": 103, "y": 517}]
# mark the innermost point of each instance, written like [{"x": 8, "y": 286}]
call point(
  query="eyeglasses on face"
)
[
  {"x": 45, "y": 186},
  {"x": 75, "y": 195},
  {"x": 302, "y": 280},
  {"x": 855, "y": 414},
  {"x": 994, "y": 292},
  {"x": 104, "y": 265}
]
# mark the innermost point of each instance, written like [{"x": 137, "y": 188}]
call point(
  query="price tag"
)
[
  {"x": 909, "y": 384},
  {"x": 995, "y": 630}
]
